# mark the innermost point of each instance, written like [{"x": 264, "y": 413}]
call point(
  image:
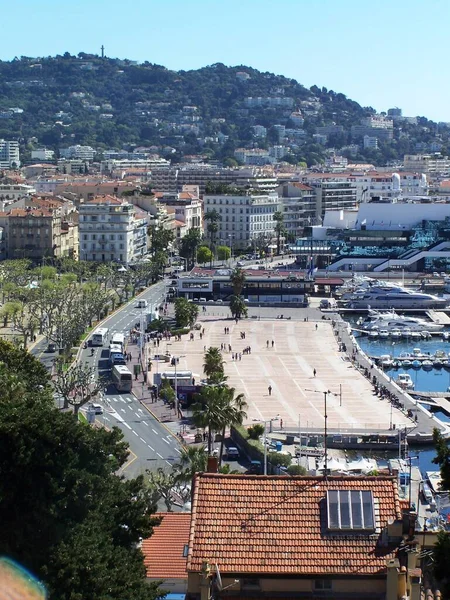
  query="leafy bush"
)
[
  {"x": 255, "y": 431},
  {"x": 278, "y": 458},
  {"x": 296, "y": 470}
]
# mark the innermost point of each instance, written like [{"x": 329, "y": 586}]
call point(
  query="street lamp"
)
[
  {"x": 265, "y": 439},
  {"x": 325, "y": 432}
]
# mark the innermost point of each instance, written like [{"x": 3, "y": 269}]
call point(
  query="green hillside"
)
[{"x": 112, "y": 103}]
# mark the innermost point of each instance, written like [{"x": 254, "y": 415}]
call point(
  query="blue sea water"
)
[{"x": 435, "y": 380}]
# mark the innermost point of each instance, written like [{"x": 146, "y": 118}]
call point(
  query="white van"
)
[{"x": 142, "y": 304}]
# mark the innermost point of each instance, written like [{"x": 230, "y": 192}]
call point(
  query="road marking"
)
[
  {"x": 122, "y": 409},
  {"x": 145, "y": 423},
  {"x": 176, "y": 450},
  {"x": 155, "y": 431},
  {"x": 142, "y": 440},
  {"x": 170, "y": 464},
  {"x": 167, "y": 442},
  {"x": 126, "y": 425},
  {"x": 107, "y": 418},
  {"x": 152, "y": 449},
  {"x": 138, "y": 415},
  {"x": 160, "y": 455},
  {"x": 135, "y": 433}
]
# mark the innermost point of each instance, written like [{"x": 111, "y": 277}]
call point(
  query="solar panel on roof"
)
[{"x": 350, "y": 510}]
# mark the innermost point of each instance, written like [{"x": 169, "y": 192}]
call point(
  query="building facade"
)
[
  {"x": 111, "y": 230},
  {"x": 243, "y": 218},
  {"x": 298, "y": 205},
  {"x": 9, "y": 154}
]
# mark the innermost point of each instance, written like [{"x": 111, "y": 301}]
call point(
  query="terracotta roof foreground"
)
[
  {"x": 278, "y": 525},
  {"x": 163, "y": 551}
]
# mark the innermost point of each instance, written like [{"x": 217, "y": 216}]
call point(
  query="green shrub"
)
[
  {"x": 180, "y": 331},
  {"x": 255, "y": 431},
  {"x": 277, "y": 458},
  {"x": 296, "y": 470}
]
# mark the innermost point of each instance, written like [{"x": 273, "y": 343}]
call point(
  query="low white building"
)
[
  {"x": 42, "y": 154},
  {"x": 111, "y": 230},
  {"x": 80, "y": 152}
]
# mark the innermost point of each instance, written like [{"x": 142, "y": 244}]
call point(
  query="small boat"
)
[
  {"x": 396, "y": 334},
  {"x": 406, "y": 332},
  {"x": 384, "y": 333},
  {"x": 446, "y": 336},
  {"x": 415, "y": 335},
  {"x": 416, "y": 364},
  {"x": 437, "y": 363},
  {"x": 406, "y": 363},
  {"x": 446, "y": 363},
  {"x": 427, "y": 365},
  {"x": 417, "y": 352},
  {"x": 373, "y": 334},
  {"x": 404, "y": 381},
  {"x": 426, "y": 335},
  {"x": 386, "y": 361}
]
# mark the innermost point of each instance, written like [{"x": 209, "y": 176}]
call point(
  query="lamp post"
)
[
  {"x": 325, "y": 427},
  {"x": 270, "y": 421}
]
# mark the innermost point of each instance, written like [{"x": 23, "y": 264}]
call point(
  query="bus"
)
[
  {"x": 118, "y": 339},
  {"x": 116, "y": 356},
  {"x": 122, "y": 378},
  {"x": 99, "y": 336}
]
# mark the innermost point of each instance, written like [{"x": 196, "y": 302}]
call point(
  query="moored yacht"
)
[
  {"x": 388, "y": 296},
  {"x": 401, "y": 324}
]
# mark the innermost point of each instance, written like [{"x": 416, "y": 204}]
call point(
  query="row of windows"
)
[
  {"x": 102, "y": 236},
  {"x": 95, "y": 247}
]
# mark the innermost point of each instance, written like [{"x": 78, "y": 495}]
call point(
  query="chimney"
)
[
  {"x": 212, "y": 465},
  {"x": 415, "y": 584},
  {"x": 393, "y": 567}
]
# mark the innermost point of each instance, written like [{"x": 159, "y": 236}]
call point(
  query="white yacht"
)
[
  {"x": 387, "y": 296},
  {"x": 404, "y": 381},
  {"x": 401, "y": 324}
]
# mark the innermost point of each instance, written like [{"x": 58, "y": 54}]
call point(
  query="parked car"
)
[
  {"x": 219, "y": 301},
  {"x": 240, "y": 263},
  {"x": 97, "y": 408},
  {"x": 232, "y": 453},
  {"x": 202, "y": 299},
  {"x": 51, "y": 348},
  {"x": 255, "y": 468}
]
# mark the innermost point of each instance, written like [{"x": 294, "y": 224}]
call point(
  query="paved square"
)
[{"x": 288, "y": 367}]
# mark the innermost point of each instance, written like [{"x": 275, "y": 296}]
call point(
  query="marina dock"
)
[{"x": 438, "y": 317}]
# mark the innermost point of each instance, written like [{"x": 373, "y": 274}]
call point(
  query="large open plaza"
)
[{"x": 298, "y": 361}]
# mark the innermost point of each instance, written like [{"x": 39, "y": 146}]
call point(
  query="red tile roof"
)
[
  {"x": 104, "y": 199},
  {"x": 163, "y": 551},
  {"x": 254, "y": 524}
]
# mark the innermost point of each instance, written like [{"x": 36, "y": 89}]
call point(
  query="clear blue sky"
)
[{"x": 382, "y": 53}]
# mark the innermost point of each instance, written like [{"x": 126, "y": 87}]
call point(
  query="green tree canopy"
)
[
  {"x": 223, "y": 252},
  {"x": 185, "y": 312},
  {"x": 204, "y": 254},
  {"x": 66, "y": 516}
]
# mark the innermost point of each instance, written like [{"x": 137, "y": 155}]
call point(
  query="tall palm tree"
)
[
  {"x": 217, "y": 409},
  {"x": 213, "y": 365},
  {"x": 237, "y": 279},
  {"x": 280, "y": 229},
  {"x": 212, "y": 217}
]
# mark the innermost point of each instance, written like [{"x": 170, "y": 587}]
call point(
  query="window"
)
[
  {"x": 350, "y": 510},
  {"x": 323, "y": 584}
]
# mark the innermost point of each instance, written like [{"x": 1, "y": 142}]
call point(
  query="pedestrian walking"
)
[
  {"x": 270, "y": 390},
  {"x": 317, "y": 327},
  {"x": 240, "y": 356},
  {"x": 281, "y": 423},
  {"x": 229, "y": 347},
  {"x": 232, "y": 356},
  {"x": 314, "y": 372},
  {"x": 267, "y": 344},
  {"x": 273, "y": 343}
]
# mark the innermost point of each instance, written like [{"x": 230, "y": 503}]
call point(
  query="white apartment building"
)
[
  {"x": 10, "y": 193},
  {"x": 242, "y": 218},
  {"x": 370, "y": 142},
  {"x": 259, "y": 131},
  {"x": 431, "y": 164},
  {"x": 42, "y": 154},
  {"x": 298, "y": 205},
  {"x": 111, "y": 230},
  {"x": 81, "y": 152},
  {"x": 378, "y": 122},
  {"x": 252, "y": 156},
  {"x": 9, "y": 154}
]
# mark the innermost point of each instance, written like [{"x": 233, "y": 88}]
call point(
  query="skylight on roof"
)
[{"x": 350, "y": 510}]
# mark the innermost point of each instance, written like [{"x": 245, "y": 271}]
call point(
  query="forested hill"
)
[{"x": 111, "y": 103}]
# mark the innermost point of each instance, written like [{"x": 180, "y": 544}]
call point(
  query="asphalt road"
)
[{"x": 151, "y": 443}]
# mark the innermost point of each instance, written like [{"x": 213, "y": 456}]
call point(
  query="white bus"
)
[
  {"x": 118, "y": 339},
  {"x": 122, "y": 378},
  {"x": 99, "y": 336},
  {"x": 116, "y": 356}
]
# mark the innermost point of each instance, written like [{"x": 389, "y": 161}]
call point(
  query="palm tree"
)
[
  {"x": 217, "y": 409},
  {"x": 212, "y": 217},
  {"x": 238, "y": 307},
  {"x": 213, "y": 365},
  {"x": 237, "y": 279},
  {"x": 193, "y": 460},
  {"x": 280, "y": 229}
]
